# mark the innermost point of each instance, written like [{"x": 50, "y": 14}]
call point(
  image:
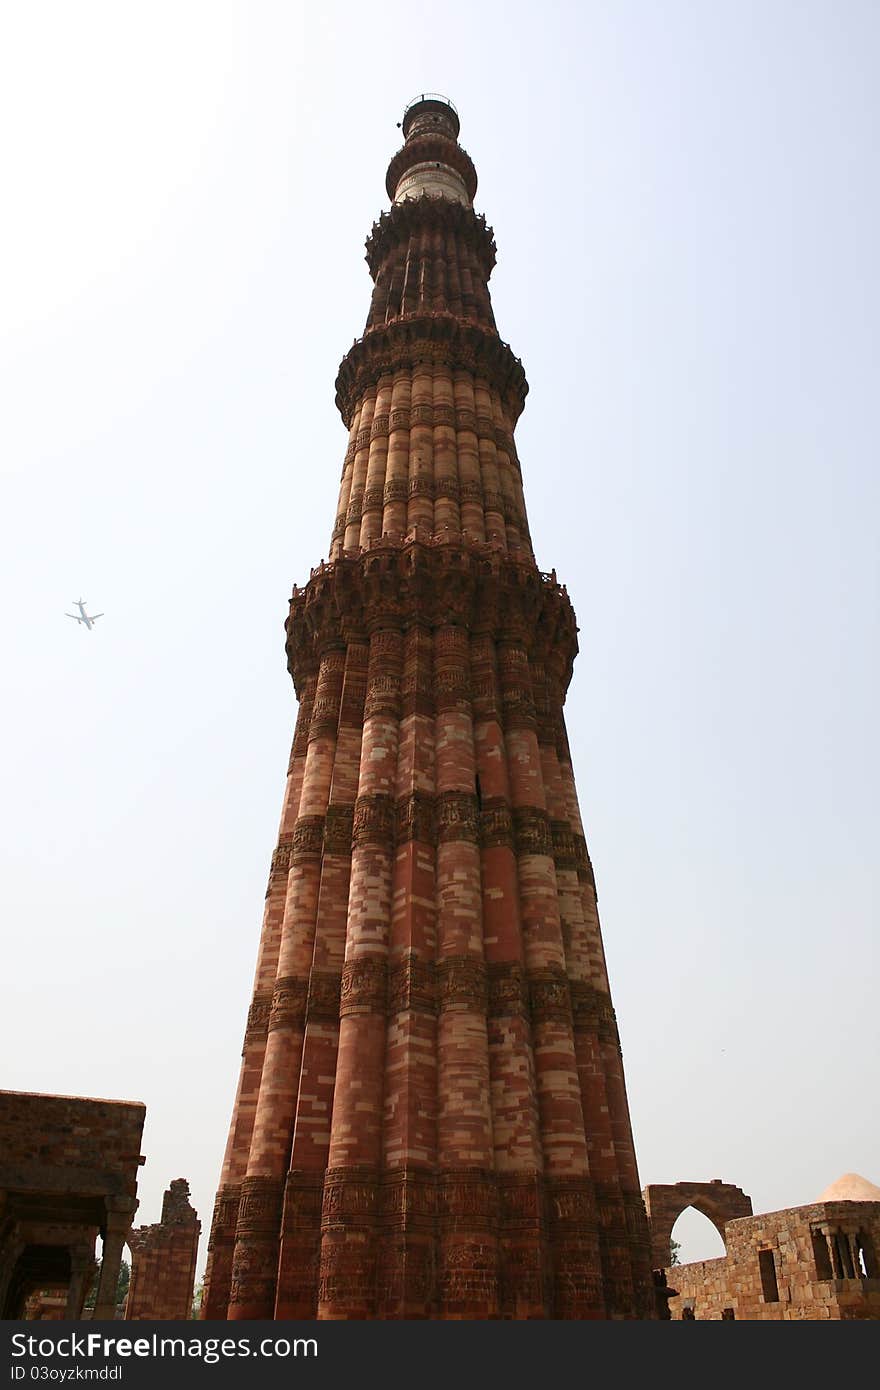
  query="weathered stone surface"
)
[
  {"x": 812, "y": 1263},
  {"x": 163, "y": 1260},
  {"x": 68, "y": 1170}
]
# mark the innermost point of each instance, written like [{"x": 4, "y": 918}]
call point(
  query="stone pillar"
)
[
  {"x": 82, "y": 1264},
  {"x": 117, "y": 1224}
]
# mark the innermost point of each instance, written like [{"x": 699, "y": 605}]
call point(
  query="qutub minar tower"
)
[{"x": 431, "y": 1120}]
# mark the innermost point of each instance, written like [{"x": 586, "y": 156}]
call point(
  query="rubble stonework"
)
[
  {"x": 813, "y": 1263},
  {"x": 163, "y": 1260},
  {"x": 68, "y": 1173},
  {"x": 431, "y": 1119}
]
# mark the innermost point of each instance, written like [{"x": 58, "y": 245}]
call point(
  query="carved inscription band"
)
[
  {"x": 451, "y": 816},
  {"x": 502, "y": 988}
]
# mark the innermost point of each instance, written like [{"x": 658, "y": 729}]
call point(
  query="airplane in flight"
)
[{"x": 83, "y": 617}]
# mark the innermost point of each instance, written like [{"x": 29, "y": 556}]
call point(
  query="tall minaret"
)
[{"x": 431, "y": 1120}]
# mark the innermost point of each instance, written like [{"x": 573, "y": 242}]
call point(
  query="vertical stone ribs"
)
[{"x": 431, "y": 1120}]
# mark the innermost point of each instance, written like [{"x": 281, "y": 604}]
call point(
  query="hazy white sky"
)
[{"x": 684, "y": 197}]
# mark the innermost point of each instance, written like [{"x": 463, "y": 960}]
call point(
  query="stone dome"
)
[{"x": 852, "y": 1187}]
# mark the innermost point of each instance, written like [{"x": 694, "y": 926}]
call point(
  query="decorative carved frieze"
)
[
  {"x": 350, "y": 1194},
  {"x": 496, "y": 824},
  {"x": 373, "y": 499},
  {"x": 395, "y": 490},
  {"x": 258, "y": 1017},
  {"x": 452, "y": 684},
  {"x": 374, "y": 816},
  {"x": 572, "y": 1204},
  {"x": 325, "y": 709},
  {"x": 508, "y": 992},
  {"x": 408, "y": 1199},
  {"x": 383, "y": 677},
  {"x": 467, "y": 1200},
  {"x": 457, "y": 817},
  {"x": 532, "y": 830},
  {"x": 471, "y": 491},
  {"x": 363, "y": 986},
  {"x": 416, "y": 818},
  {"x": 225, "y": 1212},
  {"x": 259, "y": 1208},
  {"x": 338, "y": 828},
  {"x": 412, "y": 985},
  {"x": 422, "y": 486},
  {"x": 462, "y": 980},
  {"x": 281, "y": 856},
  {"x": 288, "y": 1003},
  {"x": 584, "y": 864},
  {"x": 308, "y": 839},
  {"x": 549, "y": 996},
  {"x": 322, "y": 1003},
  {"x": 592, "y": 1010},
  {"x": 564, "y": 855},
  {"x": 521, "y": 1200},
  {"x": 383, "y": 695}
]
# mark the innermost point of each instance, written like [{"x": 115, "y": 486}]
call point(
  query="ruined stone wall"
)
[
  {"x": 804, "y": 1263},
  {"x": 163, "y": 1260}
]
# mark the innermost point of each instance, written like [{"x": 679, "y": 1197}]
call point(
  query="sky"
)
[{"x": 684, "y": 198}]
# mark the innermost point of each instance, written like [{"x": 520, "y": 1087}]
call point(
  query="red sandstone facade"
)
[{"x": 431, "y": 1119}]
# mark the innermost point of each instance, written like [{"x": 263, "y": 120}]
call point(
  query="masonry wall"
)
[
  {"x": 68, "y": 1170},
  {"x": 163, "y": 1260},
  {"x": 775, "y": 1263},
  {"x": 69, "y": 1134}
]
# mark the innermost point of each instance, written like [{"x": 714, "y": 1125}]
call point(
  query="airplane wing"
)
[
  {"x": 73, "y": 615},
  {"x": 93, "y": 616}
]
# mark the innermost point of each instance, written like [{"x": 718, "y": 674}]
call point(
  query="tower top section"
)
[
  {"x": 431, "y": 160},
  {"x": 430, "y": 113}
]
